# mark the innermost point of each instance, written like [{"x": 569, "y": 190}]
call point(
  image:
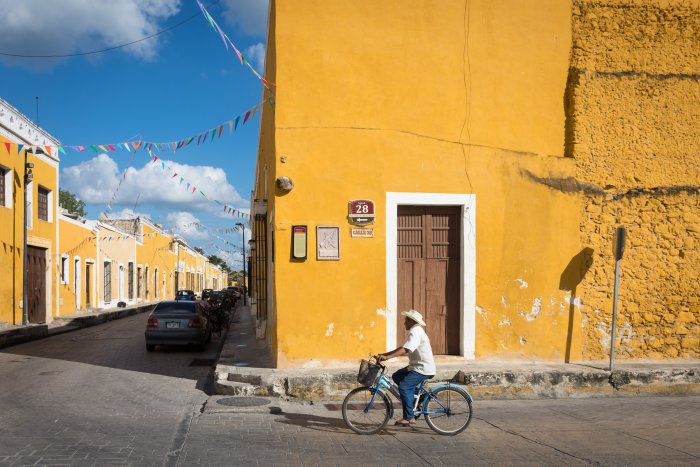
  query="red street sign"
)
[{"x": 361, "y": 211}]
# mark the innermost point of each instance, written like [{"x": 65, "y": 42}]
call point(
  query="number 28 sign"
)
[{"x": 361, "y": 211}]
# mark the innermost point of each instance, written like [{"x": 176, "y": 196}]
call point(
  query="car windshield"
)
[{"x": 174, "y": 307}]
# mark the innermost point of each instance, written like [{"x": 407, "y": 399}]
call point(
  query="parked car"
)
[
  {"x": 206, "y": 293},
  {"x": 177, "y": 322},
  {"x": 185, "y": 295},
  {"x": 235, "y": 290}
]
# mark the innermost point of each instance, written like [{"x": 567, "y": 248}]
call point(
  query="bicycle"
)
[{"x": 447, "y": 408}]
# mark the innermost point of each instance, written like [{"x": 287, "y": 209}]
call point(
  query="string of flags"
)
[
  {"x": 185, "y": 227},
  {"x": 190, "y": 187},
  {"x": 228, "y": 42},
  {"x": 204, "y": 137}
]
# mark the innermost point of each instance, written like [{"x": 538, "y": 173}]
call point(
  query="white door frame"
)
[
  {"x": 77, "y": 280},
  {"x": 467, "y": 262}
]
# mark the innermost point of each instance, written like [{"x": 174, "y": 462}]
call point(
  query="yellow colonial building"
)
[
  {"x": 215, "y": 278},
  {"x": 471, "y": 160},
  {"x": 156, "y": 251},
  {"x": 77, "y": 265},
  {"x": 16, "y": 133},
  {"x": 191, "y": 267},
  {"x": 116, "y": 257}
]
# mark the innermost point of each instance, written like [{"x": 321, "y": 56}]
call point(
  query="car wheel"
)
[{"x": 150, "y": 347}]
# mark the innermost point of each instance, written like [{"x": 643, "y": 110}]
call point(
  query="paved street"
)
[{"x": 96, "y": 397}]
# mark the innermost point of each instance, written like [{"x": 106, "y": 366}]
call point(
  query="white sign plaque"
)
[{"x": 327, "y": 242}]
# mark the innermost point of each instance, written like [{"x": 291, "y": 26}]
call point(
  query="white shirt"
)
[{"x": 420, "y": 354}]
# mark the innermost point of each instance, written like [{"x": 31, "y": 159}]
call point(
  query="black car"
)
[
  {"x": 185, "y": 295},
  {"x": 206, "y": 293},
  {"x": 178, "y": 322}
]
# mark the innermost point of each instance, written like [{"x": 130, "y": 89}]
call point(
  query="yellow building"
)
[
  {"x": 191, "y": 267},
  {"x": 116, "y": 259},
  {"x": 77, "y": 265},
  {"x": 422, "y": 156},
  {"x": 16, "y": 133},
  {"x": 215, "y": 278},
  {"x": 157, "y": 258}
]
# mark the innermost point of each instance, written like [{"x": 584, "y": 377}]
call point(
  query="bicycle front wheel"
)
[
  {"x": 363, "y": 418},
  {"x": 449, "y": 411}
]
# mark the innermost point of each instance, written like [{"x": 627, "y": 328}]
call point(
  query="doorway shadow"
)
[{"x": 571, "y": 277}]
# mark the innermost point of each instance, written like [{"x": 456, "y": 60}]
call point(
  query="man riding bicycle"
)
[{"x": 421, "y": 365}]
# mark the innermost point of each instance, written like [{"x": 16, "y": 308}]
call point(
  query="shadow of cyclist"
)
[{"x": 315, "y": 422}]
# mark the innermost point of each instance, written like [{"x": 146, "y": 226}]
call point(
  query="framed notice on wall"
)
[
  {"x": 299, "y": 241},
  {"x": 327, "y": 242}
]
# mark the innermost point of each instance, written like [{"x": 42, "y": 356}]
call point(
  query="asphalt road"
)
[{"x": 96, "y": 397}]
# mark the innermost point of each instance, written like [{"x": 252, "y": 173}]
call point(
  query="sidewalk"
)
[
  {"x": 245, "y": 368},
  {"x": 13, "y": 335}
]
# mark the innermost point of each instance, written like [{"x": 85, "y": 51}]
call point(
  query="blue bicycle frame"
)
[{"x": 384, "y": 385}]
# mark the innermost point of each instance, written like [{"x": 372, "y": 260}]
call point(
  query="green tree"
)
[
  {"x": 71, "y": 203},
  {"x": 216, "y": 261}
]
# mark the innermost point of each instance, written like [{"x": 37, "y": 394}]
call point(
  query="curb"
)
[{"x": 485, "y": 384}]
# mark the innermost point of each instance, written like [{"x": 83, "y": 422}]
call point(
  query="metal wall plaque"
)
[
  {"x": 361, "y": 211},
  {"x": 299, "y": 241},
  {"x": 359, "y": 232},
  {"x": 327, "y": 242}
]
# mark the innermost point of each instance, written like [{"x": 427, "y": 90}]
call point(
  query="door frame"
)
[
  {"x": 77, "y": 282},
  {"x": 467, "y": 261}
]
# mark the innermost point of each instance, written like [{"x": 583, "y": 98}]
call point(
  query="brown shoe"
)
[{"x": 404, "y": 423}]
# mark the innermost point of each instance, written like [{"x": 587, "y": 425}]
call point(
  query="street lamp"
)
[
  {"x": 28, "y": 166},
  {"x": 245, "y": 287}
]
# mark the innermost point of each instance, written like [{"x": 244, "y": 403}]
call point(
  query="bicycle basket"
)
[{"x": 368, "y": 373}]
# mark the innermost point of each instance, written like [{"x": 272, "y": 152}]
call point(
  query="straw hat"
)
[{"x": 415, "y": 316}]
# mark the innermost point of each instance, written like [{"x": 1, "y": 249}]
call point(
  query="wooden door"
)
[
  {"x": 36, "y": 284},
  {"x": 429, "y": 272},
  {"x": 88, "y": 281}
]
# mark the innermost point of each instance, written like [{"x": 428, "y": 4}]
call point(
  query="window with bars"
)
[
  {"x": 43, "y": 201},
  {"x": 131, "y": 281},
  {"x": 139, "y": 280},
  {"x": 108, "y": 281},
  {"x": 155, "y": 284},
  {"x": 3, "y": 174}
]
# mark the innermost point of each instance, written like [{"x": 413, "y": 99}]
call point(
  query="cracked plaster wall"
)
[{"x": 633, "y": 119}]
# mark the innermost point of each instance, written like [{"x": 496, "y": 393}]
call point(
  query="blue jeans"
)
[{"x": 408, "y": 382}]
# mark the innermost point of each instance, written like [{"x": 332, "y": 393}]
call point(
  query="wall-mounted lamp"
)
[{"x": 284, "y": 184}]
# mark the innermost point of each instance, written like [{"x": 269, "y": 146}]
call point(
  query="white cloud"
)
[
  {"x": 95, "y": 181},
  {"x": 248, "y": 16},
  {"x": 256, "y": 55},
  {"x": 40, "y": 27},
  {"x": 182, "y": 220}
]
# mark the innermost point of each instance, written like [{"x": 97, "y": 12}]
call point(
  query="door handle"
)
[{"x": 444, "y": 310}]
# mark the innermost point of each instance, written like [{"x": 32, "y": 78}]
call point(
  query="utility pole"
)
[
  {"x": 245, "y": 276},
  {"x": 28, "y": 166}
]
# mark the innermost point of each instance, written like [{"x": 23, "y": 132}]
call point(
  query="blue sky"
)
[{"x": 175, "y": 85}]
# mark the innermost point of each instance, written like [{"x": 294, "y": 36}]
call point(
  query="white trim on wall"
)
[{"x": 467, "y": 261}]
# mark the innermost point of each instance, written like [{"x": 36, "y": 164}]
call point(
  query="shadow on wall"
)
[{"x": 570, "y": 278}]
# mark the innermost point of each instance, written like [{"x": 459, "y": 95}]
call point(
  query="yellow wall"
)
[
  {"x": 120, "y": 251},
  {"x": 429, "y": 98},
  {"x": 77, "y": 242},
  {"x": 43, "y": 234},
  {"x": 635, "y": 95},
  {"x": 192, "y": 266},
  {"x": 157, "y": 251}
]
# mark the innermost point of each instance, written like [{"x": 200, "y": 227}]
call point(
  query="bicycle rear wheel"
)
[
  {"x": 452, "y": 411},
  {"x": 363, "y": 418}
]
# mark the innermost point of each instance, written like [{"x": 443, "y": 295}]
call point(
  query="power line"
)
[{"x": 78, "y": 54}]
